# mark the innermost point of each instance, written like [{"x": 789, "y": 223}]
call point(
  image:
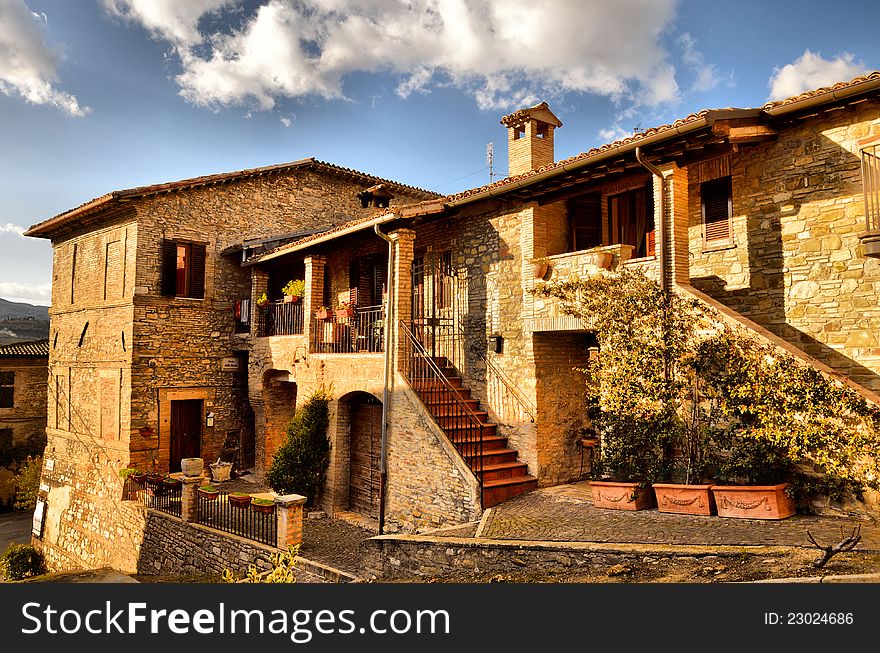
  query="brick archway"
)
[{"x": 357, "y": 453}]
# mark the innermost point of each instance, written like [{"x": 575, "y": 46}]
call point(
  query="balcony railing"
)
[
  {"x": 363, "y": 331},
  {"x": 280, "y": 319}
]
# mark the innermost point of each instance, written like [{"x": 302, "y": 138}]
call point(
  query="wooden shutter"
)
[
  {"x": 169, "y": 268},
  {"x": 716, "y": 201},
  {"x": 585, "y": 218},
  {"x": 7, "y": 389},
  {"x": 197, "y": 280}
]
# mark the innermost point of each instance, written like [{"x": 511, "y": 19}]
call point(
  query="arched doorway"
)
[{"x": 365, "y": 441}]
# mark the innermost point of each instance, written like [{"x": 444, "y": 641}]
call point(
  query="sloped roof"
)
[
  {"x": 43, "y": 229},
  {"x": 30, "y": 349}
]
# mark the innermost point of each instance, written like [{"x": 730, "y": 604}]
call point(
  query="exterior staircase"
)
[{"x": 485, "y": 451}]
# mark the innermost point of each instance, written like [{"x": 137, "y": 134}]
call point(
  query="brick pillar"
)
[
  {"x": 678, "y": 257},
  {"x": 259, "y": 285},
  {"x": 290, "y": 519},
  {"x": 401, "y": 294},
  {"x": 189, "y": 502},
  {"x": 314, "y": 294}
]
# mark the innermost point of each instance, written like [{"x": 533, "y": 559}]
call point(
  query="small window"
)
[
  {"x": 715, "y": 197},
  {"x": 7, "y": 389},
  {"x": 183, "y": 269}
]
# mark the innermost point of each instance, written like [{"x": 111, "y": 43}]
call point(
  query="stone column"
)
[
  {"x": 259, "y": 285},
  {"x": 290, "y": 519},
  {"x": 314, "y": 293},
  {"x": 189, "y": 501},
  {"x": 401, "y": 294}
]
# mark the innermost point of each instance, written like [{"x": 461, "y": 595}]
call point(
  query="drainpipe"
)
[
  {"x": 664, "y": 277},
  {"x": 389, "y": 321}
]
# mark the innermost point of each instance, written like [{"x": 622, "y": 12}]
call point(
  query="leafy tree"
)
[
  {"x": 27, "y": 484},
  {"x": 298, "y": 466}
]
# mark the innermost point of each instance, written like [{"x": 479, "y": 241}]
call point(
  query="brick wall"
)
[{"x": 27, "y": 416}]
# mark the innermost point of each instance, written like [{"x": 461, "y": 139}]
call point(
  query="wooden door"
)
[
  {"x": 186, "y": 431},
  {"x": 366, "y": 442}
]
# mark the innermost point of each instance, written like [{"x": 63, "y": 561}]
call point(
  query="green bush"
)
[
  {"x": 27, "y": 484},
  {"x": 22, "y": 561},
  {"x": 299, "y": 465}
]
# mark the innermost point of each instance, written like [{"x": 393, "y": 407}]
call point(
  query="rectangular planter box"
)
[
  {"x": 621, "y": 496},
  {"x": 684, "y": 499},
  {"x": 753, "y": 501}
]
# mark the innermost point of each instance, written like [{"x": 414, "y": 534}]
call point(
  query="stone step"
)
[
  {"x": 503, "y": 470},
  {"x": 490, "y": 442},
  {"x": 500, "y": 490}
]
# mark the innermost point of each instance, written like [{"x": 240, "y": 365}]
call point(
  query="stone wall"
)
[
  {"x": 796, "y": 265},
  {"x": 28, "y": 413},
  {"x": 174, "y": 547},
  {"x": 87, "y": 524}
]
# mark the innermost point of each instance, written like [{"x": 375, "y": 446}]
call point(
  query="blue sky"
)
[{"x": 97, "y": 95}]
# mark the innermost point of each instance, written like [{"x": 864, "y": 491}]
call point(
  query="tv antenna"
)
[{"x": 489, "y": 158}]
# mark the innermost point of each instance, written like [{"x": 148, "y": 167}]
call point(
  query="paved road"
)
[{"x": 15, "y": 528}]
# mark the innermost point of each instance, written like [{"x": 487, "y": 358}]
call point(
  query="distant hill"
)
[
  {"x": 20, "y": 309},
  {"x": 20, "y": 321}
]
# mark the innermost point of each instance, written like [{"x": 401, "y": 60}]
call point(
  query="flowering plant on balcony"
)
[
  {"x": 293, "y": 290},
  {"x": 322, "y": 313},
  {"x": 345, "y": 310},
  {"x": 262, "y": 301}
]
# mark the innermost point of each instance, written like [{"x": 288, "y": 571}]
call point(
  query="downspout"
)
[
  {"x": 664, "y": 277},
  {"x": 389, "y": 321}
]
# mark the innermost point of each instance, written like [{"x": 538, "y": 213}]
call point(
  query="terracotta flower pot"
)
[
  {"x": 602, "y": 260},
  {"x": 684, "y": 499},
  {"x": 539, "y": 270},
  {"x": 139, "y": 478},
  {"x": 753, "y": 501},
  {"x": 240, "y": 501},
  {"x": 344, "y": 312},
  {"x": 209, "y": 495},
  {"x": 621, "y": 496},
  {"x": 322, "y": 314},
  {"x": 263, "y": 509}
]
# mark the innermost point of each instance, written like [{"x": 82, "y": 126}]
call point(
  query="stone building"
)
[
  {"x": 769, "y": 214},
  {"x": 147, "y": 350},
  {"x": 23, "y": 371}
]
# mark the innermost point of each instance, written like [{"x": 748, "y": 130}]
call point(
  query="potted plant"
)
[
  {"x": 754, "y": 479},
  {"x": 171, "y": 483},
  {"x": 239, "y": 499},
  {"x": 263, "y": 506},
  {"x": 293, "y": 290},
  {"x": 262, "y": 301},
  {"x": 209, "y": 492},
  {"x": 344, "y": 311},
  {"x": 322, "y": 313}
]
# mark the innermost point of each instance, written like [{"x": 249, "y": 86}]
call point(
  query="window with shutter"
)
[
  {"x": 183, "y": 269},
  {"x": 7, "y": 389},
  {"x": 585, "y": 221},
  {"x": 716, "y": 203}
]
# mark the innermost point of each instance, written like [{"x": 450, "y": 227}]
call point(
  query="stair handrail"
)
[
  {"x": 527, "y": 406},
  {"x": 431, "y": 365}
]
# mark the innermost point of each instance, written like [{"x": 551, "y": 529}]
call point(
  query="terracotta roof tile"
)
[
  {"x": 30, "y": 349},
  {"x": 821, "y": 91}
]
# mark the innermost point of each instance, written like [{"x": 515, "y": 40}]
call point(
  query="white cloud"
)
[
  {"x": 811, "y": 71},
  {"x": 503, "y": 52},
  {"x": 27, "y": 66},
  {"x": 705, "y": 74},
  {"x": 614, "y": 133},
  {"x": 10, "y": 228},
  {"x": 286, "y": 122},
  {"x": 32, "y": 293}
]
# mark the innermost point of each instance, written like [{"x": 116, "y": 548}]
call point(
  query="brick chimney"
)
[{"x": 530, "y": 138}]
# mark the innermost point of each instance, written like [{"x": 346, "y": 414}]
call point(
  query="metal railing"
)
[
  {"x": 450, "y": 410},
  {"x": 155, "y": 493},
  {"x": 363, "y": 331},
  {"x": 280, "y": 319},
  {"x": 242, "y": 520},
  {"x": 871, "y": 186},
  {"x": 502, "y": 394}
]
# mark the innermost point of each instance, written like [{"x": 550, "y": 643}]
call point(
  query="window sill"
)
[
  {"x": 641, "y": 259},
  {"x": 717, "y": 247}
]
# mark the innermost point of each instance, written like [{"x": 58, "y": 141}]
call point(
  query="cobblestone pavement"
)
[
  {"x": 335, "y": 543},
  {"x": 566, "y": 513}
]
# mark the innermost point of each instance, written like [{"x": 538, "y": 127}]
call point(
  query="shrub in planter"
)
[
  {"x": 209, "y": 492},
  {"x": 239, "y": 499},
  {"x": 264, "y": 506},
  {"x": 299, "y": 464},
  {"x": 294, "y": 289},
  {"x": 22, "y": 561}
]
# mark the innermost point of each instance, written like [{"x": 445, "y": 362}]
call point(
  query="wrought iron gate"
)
[{"x": 439, "y": 303}]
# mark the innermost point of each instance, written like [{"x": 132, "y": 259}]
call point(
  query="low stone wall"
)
[
  {"x": 393, "y": 557},
  {"x": 172, "y": 546}
]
